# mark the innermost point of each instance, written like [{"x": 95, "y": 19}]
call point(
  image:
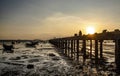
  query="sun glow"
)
[{"x": 90, "y": 30}]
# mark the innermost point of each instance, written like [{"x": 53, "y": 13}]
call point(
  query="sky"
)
[{"x": 46, "y": 19}]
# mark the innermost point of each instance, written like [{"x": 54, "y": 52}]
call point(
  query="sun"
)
[{"x": 90, "y": 30}]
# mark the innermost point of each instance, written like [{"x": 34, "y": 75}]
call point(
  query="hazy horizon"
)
[{"x": 45, "y": 19}]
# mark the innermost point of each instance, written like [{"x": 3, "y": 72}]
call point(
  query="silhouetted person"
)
[
  {"x": 75, "y": 34},
  {"x": 80, "y": 33},
  {"x": 104, "y": 31}
]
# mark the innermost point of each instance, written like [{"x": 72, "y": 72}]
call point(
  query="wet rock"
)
[
  {"x": 33, "y": 60},
  {"x": 14, "y": 71},
  {"x": 15, "y": 58},
  {"x": 20, "y": 61},
  {"x": 37, "y": 56},
  {"x": 51, "y": 54},
  {"x": 3, "y": 58},
  {"x": 30, "y": 66},
  {"x": 18, "y": 58},
  {"x": 85, "y": 69},
  {"x": 79, "y": 67},
  {"x": 94, "y": 72},
  {"x": 50, "y": 70},
  {"x": 110, "y": 74},
  {"x": 32, "y": 74},
  {"x": 24, "y": 56},
  {"x": 45, "y": 62},
  {"x": 10, "y": 73},
  {"x": 56, "y": 58}
]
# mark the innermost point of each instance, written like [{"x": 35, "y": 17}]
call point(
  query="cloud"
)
[
  {"x": 60, "y": 17},
  {"x": 62, "y": 23}
]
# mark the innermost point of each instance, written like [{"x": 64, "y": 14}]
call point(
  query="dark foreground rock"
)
[{"x": 30, "y": 66}]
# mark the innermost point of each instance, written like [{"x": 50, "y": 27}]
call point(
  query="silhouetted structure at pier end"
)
[{"x": 70, "y": 46}]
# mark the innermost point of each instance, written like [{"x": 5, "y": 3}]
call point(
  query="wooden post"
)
[
  {"x": 84, "y": 50},
  {"x": 117, "y": 55},
  {"x": 96, "y": 51},
  {"x": 62, "y": 44},
  {"x": 68, "y": 48},
  {"x": 71, "y": 48},
  {"x": 77, "y": 50},
  {"x": 59, "y": 43},
  {"x": 74, "y": 48},
  {"x": 101, "y": 49},
  {"x": 116, "y": 49},
  {"x": 90, "y": 49}
]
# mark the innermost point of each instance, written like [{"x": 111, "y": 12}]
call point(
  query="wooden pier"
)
[{"x": 71, "y": 46}]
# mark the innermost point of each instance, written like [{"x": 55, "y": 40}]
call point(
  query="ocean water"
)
[{"x": 108, "y": 49}]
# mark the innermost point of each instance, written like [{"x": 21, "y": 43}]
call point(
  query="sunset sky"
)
[{"x": 45, "y": 19}]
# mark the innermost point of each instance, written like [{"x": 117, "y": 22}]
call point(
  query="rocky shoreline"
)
[{"x": 49, "y": 61}]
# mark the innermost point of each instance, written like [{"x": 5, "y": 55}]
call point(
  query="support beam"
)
[
  {"x": 59, "y": 43},
  {"x": 63, "y": 46},
  {"x": 90, "y": 49},
  {"x": 71, "y": 48},
  {"x": 84, "y": 50},
  {"x": 116, "y": 50},
  {"x": 74, "y": 48},
  {"x": 96, "y": 51},
  {"x": 66, "y": 47},
  {"x": 101, "y": 49},
  {"x": 117, "y": 55},
  {"x": 77, "y": 50}
]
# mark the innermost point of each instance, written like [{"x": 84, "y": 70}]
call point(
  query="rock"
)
[
  {"x": 51, "y": 54},
  {"x": 94, "y": 71},
  {"x": 85, "y": 69},
  {"x": 50, "y": 70},
  {"x": 10, "y": 73},
  {"x": 30, "y": 66},
  {"x": 16, "y": 58},
  {"x": 32, "y": 74},
  {"x": 24, "y": 56},
  {"x": 78, "y": 67},
  {"x": 56, "y": 58},
  {"x": 3, "y": 58},
  {"x": 33, "y": 60}
]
